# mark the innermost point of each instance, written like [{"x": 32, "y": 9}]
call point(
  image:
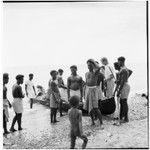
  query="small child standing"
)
[
  {"x": 54, "y": 96},
  {"x": 75, "y": 118}
]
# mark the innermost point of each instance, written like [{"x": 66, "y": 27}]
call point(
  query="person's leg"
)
[
  {"x": 55, "y": 115},
  {"x": 31, "y": 103},
  {"x": 124, "y": 108},
  {"x": 85, "y": 140},
  {"x": 73, "y": 142},
  {"x": 126, "y": 111},
  {"x": 52, "y": 115},
  {"x": 60, "y": 108},
  {"x": 121, "y": 109},
  {"x": 99, "y": 115},
  {"x": 19, "y": 121},
  {"x": 13, "y": 123},
  {"x": 4, "y": 122},
  {"x": 92, "y": 116}
]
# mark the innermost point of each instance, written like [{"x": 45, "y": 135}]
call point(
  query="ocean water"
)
[{"x": 137, "y": 81}]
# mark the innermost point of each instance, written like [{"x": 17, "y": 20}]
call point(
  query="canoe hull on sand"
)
[{"x": 106, "y": 107}]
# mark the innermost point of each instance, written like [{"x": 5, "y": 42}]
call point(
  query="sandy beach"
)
[{"x": 38, "y": 133}]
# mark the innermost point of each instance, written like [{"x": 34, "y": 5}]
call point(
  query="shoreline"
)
[{"x": 39, "y": 132}]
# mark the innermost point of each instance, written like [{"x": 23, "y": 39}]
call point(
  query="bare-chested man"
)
[
  {"x": 74, "y": 83},
  {"x": 91, "y": 92}
]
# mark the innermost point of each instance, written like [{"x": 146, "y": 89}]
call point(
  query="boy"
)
[
  {"x": 6, "y": 103},
  {"x": 74, "y": 83},
  {"x": 30, "y": 89},
  {"x": 54, "y": 96},
  {"x": 62, "y": 89},
  {"x": 123, "y": 89},
  {"x": 17, "y": 104},
  {"x": 75, "y": 118}
]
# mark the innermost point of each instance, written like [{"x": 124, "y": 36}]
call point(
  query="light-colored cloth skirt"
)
[
  {"x": 18, "y": 105},
  {"x": 91, "y": 98},
  {"x": 63, "y": 94},
  {"x": 5, "y": 108},
  {"x": 73, "y": 93},
  {"x": 110, "y": 88},
  {"x": 53, "y": 101},
  {"x": 125, "y": 91}
]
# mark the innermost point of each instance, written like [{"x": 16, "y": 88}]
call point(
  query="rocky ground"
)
[{"x": 38, "y": 133}]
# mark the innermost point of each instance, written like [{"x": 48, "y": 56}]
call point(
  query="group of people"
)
[{"x": 100, "y": 82}]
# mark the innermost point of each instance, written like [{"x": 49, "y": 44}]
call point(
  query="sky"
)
[
  {"x": 39, "y": 37},
  {"x": 71, "y": 33}
]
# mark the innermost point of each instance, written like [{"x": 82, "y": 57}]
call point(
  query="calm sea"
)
[{"x": 138, "y": 80}]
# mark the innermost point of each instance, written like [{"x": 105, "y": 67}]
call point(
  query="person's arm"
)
[
  {"x": 61, "y": 84},
  {"x": 34, "y": 90},
  {"x": 123, "y": 79},
  {"x": 80, "y": 122},
  {"x": 68, "y": 87},
  {"x": 130, "y": 72},
  {"x": 103, "y": 84},
  {"x": 9, "y": 103},
  {"x": 19, "y": 91},
  {"x": 26, "y": 86},
  {"x": 81, "y": 88},
  {"x": 116, "y": 88}
]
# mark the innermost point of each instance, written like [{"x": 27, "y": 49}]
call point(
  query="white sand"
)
[{"x": 129, "y": 135}]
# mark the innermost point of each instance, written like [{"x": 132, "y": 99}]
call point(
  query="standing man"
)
[
  {"x": 62, "y": 89},
  {"x": 109, "y": 77},
  {"x": 91, "y": 92},
  {"x": 30, "y": 89},
  {"x": 123, "y": 89},
  {"x": 6, "y": 103},
  {"x": 17, "y": 102},
  {"x": 75, "y": 84}
]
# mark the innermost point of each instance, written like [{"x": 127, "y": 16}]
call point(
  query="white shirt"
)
[
  {"x": 30, "y": 89},
  {"x": 108, "y": 71}
]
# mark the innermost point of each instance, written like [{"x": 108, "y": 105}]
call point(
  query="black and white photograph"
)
[{"x": 75, "y": 74}]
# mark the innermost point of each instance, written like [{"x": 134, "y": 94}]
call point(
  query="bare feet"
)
[
  {"x": 84, "y": 144},
  {"x": 101, "y": 126},
  {"x": 92, "y": 124}
]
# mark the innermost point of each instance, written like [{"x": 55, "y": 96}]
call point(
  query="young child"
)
[
  {"x": 54, "y": 96},
  {"x": 75, "y": 118}
]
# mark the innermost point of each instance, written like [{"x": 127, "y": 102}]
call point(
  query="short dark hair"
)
[
  {"x": 60, "y": 70},
  {"x": 19, "y": 76},
  {"x": 73, "y": 66},
  {"x": 74, "y": 101},
  {"x": 5, "y": 75},
  {"x": 52, "y": 72},
  {"x": 31, "y": 74},
  {"x": 116, "y": 65},
  {"x": 122, "y": 59}
]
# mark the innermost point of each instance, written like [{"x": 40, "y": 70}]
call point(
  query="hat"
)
[
  {"x": 93, "y": 62},
  {"x": 19, "y": 76}
]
